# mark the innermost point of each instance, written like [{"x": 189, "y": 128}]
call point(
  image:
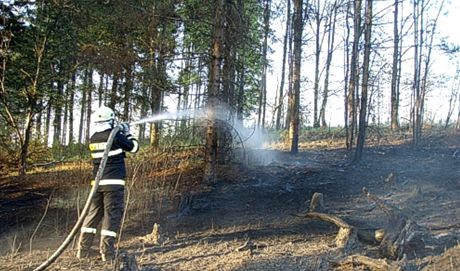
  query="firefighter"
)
[{"x": 108, "y": 202}]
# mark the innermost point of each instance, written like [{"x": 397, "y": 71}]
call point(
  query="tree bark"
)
[
  {"x": 25, "y": 145},
  {"x": 229, "y": 53},
  {"x": 89, "y": 101},
  {"x": 346, "y": 113},
  {"x": 280, "y": 104},
  {"x": 365, "y": 84},
  {"x": 240, "y": 95},
  {"x": 58, "y": 102},
  {"x": 418, "y": 42},
  {"x": 213, "y": 92},
  {"x": 295, "y": 99},
  {"x": 127, "y": 92},
  {"x": 65, "y": 117},
  {"x": 354, "y": 67},
  {"x": 100, "y": 90},
  {"x": 330, "y": 52},
  {"x": 155, "y": 105},
  {"x": 420, "y": 80},
  {"x": 71, "y": 106},
  {"x": 395, "y": 71},
  {"x": 144, "y": 109},
  {"x": 47, "y": 121},
  {"x": 38, "y": 121},
  {"x": 113, "y": 93},
  {"x": 318, "y": 47},
  {"x": 82, "y": 111},
  {"x": 290, "y": 91},
  {"x": 263, "y": 83}
]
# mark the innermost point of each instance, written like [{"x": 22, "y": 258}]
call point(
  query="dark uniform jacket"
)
[{"x": 114, "y": 174}]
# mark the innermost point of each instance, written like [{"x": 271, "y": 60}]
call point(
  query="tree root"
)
[
  {"x": 402, "y": 235},
  {"x": 401, "y": 238},
  {"x": 126, "y": 262},
  {"x": 373, "y": 264}
]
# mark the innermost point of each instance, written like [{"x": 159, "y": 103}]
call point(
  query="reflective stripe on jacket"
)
[{"x": 114, "y": 175}]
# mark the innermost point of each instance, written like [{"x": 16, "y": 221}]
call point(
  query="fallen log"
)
[{"x": 346, "y": 238}]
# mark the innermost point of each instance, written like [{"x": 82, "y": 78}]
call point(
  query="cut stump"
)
[
  {"x": 402, "y": 235},
  {"x": 317, "y": 202}
]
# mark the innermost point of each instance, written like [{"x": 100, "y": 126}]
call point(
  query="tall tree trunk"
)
[
  {"x": 280, "y": 104},
  {"x": 417, "y": 95},
  {"x": 65, "y": 117},
  {"x": 290, "y": 93},
  {"x": 365, "y": 84},
  {"x": 457, "y": 124},
  {"x": 318, "y": 43},
  {"x": 330, "y": 52},
  {"x": 427, "y": 61},
  {"x": 213, "y": 92},
  {"x": 127, "y": 92},
  {"x": 453, "y": 98},
  {"x": 354, "y": 70},
  {"x": 25, "y": 145},
  {"x": 240, "y": 95},
  {"x": 100, "y": 90},
  {"x": 144, "y": 109},
  {"x": 295, "y": 102},
  {"x": 347, "y": 66},
  {"x": 71, "y": 106},
  {"x": 82, "y": 109},
  {"x": 263, "y": 83},
  {"x": 395, "y": 69},
  {"x": 38, "y": 122},
  {"x": 184, "y": 104},
  {"x": 186, "y": 99},
  {"x": 230, "y": 39},
  {"x": 47, "y": 121},
  {"x": 58, "y": 102},
  {"x": 113, "y": 93},
  {"x": 155, "y": 105},
  {"x": 89, "y": 101}
]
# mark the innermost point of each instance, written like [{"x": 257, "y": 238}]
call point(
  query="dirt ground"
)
[{"x": 249, "y": 219}]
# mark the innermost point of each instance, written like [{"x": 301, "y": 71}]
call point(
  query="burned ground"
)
[{"x": 248, "y": 220}]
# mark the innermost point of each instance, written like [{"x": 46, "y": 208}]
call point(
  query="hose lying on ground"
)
[{"x": 85, "y": 210}]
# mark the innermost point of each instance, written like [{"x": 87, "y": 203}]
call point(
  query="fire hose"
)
[
  {"x": 85, "y": 210},
  {"x": 98, "y": 177}
]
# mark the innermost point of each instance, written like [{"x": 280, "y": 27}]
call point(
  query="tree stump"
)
[
  {"x": 155, "y": 236},
  {"x": 317, "y": 202},
  {"x": 371, "y": 236},
  {"x": 126, "y": 262},
  {"x": 402, "y": 236}
]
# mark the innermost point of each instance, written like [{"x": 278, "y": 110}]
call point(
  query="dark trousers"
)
[{"x": 106, "y": 206}]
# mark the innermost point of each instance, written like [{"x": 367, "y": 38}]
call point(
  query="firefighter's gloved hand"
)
[{"x": 125, "y": 128}]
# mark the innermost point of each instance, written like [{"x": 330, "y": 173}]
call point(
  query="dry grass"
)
[
  {"x": 238, "y": 237},
  {"x": 155, "y": 181}
]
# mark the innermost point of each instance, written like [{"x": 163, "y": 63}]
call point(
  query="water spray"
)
[{"x": 170, "y": 116}]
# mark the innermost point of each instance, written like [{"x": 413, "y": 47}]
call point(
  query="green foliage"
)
[{"x": 50, "y": 42}]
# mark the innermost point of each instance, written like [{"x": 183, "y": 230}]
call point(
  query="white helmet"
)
[{"x": 103, "y": 114}]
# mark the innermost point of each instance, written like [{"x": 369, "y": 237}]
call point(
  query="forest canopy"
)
[{"x": 277, "y": 65}]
